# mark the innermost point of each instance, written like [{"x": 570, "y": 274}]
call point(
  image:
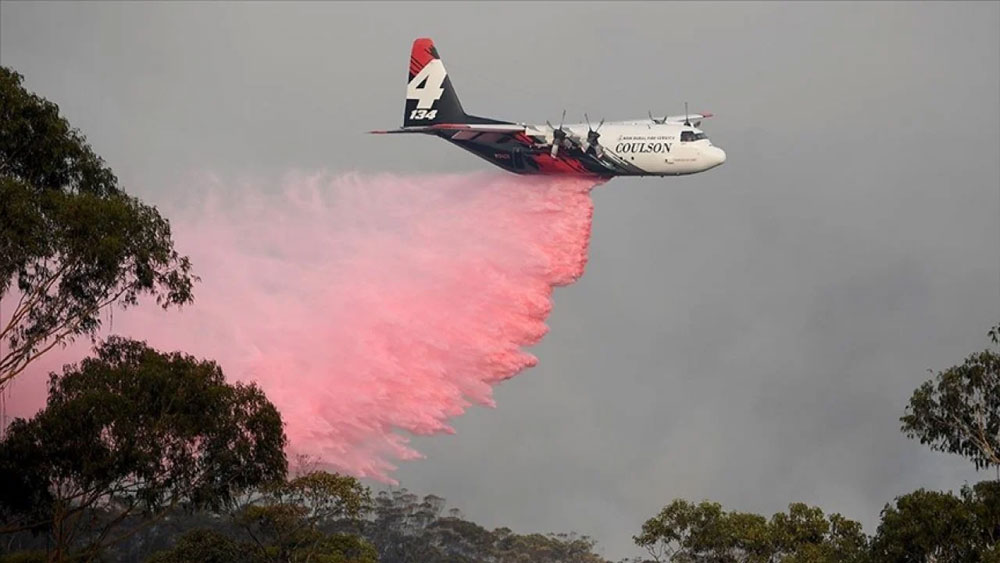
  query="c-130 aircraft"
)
[{"x": 670, "y": 146}]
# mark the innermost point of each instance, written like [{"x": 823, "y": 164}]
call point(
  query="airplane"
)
[{"x": 668, "y": 146}]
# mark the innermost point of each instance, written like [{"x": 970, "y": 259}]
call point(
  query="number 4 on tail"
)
[{"x": 426, "y": 89}]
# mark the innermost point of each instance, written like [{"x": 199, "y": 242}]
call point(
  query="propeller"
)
[
  {"x": 558, "y": 135},
  {"x": 593, "y": 135},
  {"x": 654, "y": 120}
]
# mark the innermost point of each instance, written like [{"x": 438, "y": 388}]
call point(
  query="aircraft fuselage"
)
[
  {"x": 634, "y": 148},
  {"x": 670, "y": 146}
]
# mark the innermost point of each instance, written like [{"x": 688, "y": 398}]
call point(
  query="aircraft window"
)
[{"x": 688, "y": 136}]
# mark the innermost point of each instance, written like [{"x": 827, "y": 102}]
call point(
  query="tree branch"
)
[
  {"x": 20, "y": 311},
  {"x": 14, "y": 367}
]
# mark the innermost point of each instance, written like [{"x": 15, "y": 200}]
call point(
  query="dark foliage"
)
[
  {"x": 959, "y": 412},
  {"x": 934, "y": 526},
  {"x": 408, "y": 529},
  {"x": 686, "y": 532},
  {"x": 133, "y": 430},
  {"x": 71, "y": 241}
]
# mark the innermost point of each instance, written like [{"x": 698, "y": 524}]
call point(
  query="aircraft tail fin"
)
[{"x": 430, "y": 97}]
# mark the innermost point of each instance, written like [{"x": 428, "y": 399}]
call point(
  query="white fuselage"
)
[{"x": 652, "y": 148}]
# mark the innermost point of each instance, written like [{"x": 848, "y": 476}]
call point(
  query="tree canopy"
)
[
  {"x": 685, "y": 532},
  {"x": 409, "y": 529},
  {"x": 284, "y": 523},
  {"x": 134, "y": 430},
  {"x": 936, "y": 526},
  {"x": 959, "y": 410},
  {"x": 71, "y": 241},
  {"x": 394, "y": 527}
]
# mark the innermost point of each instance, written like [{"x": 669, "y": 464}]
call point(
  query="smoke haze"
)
[{"x": 750, "y": 335}]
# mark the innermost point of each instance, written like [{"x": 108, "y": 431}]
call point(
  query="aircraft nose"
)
[{"x": 716, "y": 156}]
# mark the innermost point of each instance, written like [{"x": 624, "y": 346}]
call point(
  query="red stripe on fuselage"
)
[{"x": 548, "y": 165}]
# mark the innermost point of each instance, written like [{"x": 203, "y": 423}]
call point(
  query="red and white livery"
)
[{"x": 671, "y": 146}]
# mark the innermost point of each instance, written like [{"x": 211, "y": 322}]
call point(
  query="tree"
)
[
  {"x": 543, "y": 548},
  {"x": 956, "y": 412},
  {"x": 283, "y": 522},
  {"x": 959, "y": 411},
  {"x": 685, "y": 532},
  {"x": 408, "y": 529},
  {"x": 135, "y": 431},
  {"x": 286, "y": 522},
  {"x": 935, "y": 526},
  {"x": 71, "y": 241},
  {"x": 205, "y": 546}
]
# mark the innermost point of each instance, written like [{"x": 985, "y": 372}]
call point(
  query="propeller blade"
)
[
  {"x": 562, "y": 119},
  {"x": 588, "y": 121},
  {"x": 599, "y": 125},
  {"x": 555, "y": 150}
]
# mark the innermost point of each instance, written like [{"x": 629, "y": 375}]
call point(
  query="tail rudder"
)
[{"x": 430, "y": 97}]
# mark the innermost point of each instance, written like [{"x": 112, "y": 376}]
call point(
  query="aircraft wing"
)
[
  {"x": 681, "y": 118},
  {"x": 479, "y": 127}
]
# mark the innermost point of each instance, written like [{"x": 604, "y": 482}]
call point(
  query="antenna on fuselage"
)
[{"x": 686, "y": 120}]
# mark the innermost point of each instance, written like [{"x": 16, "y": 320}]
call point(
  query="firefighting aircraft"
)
[{"x": 668, "y": 146}]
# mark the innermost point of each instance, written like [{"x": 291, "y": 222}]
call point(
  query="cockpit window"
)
[{"x": 688, "y": 136}]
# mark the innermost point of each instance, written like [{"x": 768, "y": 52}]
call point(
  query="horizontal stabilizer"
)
[
  {"x": 482, "y": 127},
  {"x": 401, "y": 130}
]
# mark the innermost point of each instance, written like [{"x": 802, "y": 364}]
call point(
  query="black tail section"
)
[{"x": 430, "y": 97}]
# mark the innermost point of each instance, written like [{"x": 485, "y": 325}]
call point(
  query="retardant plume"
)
[{"x": 369, "y": 305}]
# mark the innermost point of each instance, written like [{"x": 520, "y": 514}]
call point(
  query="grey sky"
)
[{"x": 748, "y": 335}]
